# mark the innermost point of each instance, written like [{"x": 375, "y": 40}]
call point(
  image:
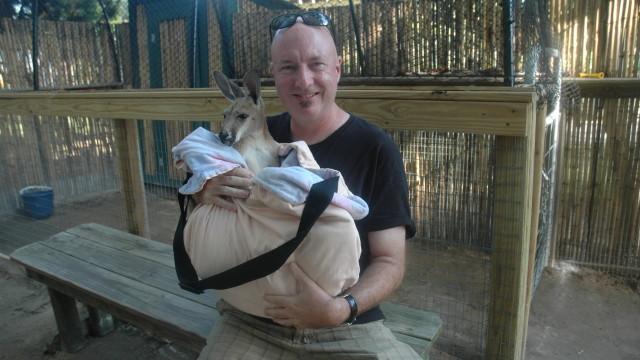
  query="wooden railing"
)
[{"x": 507, "y": 113}]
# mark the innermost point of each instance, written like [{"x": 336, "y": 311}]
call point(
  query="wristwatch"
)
[{"x": 354, "y": 308}]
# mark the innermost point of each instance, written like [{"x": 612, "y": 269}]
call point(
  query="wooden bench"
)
[{"x": 133, "y": 278}]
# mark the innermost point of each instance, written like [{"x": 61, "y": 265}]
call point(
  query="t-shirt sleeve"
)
[{"x": 389, "y": 203}]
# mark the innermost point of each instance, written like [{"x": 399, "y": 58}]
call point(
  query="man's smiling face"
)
[{"x": 306, "y": 68}]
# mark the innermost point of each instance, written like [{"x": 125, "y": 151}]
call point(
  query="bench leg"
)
[
  {"x": 100, "y": 322},
  {"x": 68, "y": 320}
]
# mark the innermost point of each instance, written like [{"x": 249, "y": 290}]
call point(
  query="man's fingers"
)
[
  {"x": 234, "y": 191},
  {"x": 217, "y": 190},
  {"x": 241, "y": 172}
]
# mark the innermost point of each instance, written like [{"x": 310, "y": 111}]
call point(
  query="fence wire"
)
[
  {"x": 143, "y": 44},
  {"x": 148, "y": 44},
  {"x": 178, "y": 44}
]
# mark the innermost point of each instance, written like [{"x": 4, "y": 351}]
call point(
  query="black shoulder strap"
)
[{"x": 319, "y": 198}]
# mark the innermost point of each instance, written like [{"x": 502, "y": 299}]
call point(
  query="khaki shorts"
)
[{"x": 237, "y": 335}]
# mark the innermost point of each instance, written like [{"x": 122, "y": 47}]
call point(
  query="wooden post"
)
[
  {"x": 131, "y": 180},
  {"x": 538, "y": 163},
  {"x": 506, "y": 328},
  {"x": 68, "y": 321}
]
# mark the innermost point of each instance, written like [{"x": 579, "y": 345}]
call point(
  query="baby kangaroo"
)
[{"x": 245, "y": 123}]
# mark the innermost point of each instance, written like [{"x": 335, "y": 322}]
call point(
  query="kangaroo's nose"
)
[{"x": 225, "y": 137}]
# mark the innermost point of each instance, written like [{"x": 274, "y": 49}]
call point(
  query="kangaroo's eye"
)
[{"x": 243, "y": 116}]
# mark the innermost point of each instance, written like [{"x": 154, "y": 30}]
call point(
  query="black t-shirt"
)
[{"x": 372, "y": 168}]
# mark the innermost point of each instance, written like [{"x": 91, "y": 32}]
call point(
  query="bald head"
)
[{"x": 303, "y": 34}]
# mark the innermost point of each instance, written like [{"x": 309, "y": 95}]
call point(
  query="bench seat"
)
[{"x": 133, "y": 279}]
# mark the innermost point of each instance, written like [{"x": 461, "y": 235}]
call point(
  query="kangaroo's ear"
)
[
  {"x": 252, "y": 84},
  {"x": 229, "y": 89}
]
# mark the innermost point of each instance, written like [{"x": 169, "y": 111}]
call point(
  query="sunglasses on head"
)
[{"x": 312, "y": 18}]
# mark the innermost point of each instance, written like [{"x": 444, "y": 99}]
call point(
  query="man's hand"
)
[
  {"x": 311, "y": 307},
  {"x": 217, "y": 190}
]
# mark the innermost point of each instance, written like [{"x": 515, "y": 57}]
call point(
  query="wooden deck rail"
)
[{"x": 508, "y": 113}]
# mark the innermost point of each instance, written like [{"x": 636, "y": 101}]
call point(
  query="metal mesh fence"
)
[
  {"x": 403, "y": 40},
  {"x": 452, "y": 182},
  {"x": 151, "y": 43},
  {"x": 78, "y": 159},
  {"x": 177, "y": 44},
  {"x": 541, "y": 64}
]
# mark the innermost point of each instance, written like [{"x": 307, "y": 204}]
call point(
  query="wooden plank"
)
[
  {"x": 506, "y": 119},
  {"x": 133, "y": 244},
  {"x": 125, "y": 264},
  {"x": 165, "y": 314},
  {"x": 496, "y": 112},
  {"x": 441, "y": 93},
  {"x": 608, "y": 87},
  {"x": 452, "y": 93},
  {"x": 421, "y": 346},
  {"x": 412, "y": 322},
  {"x": 538, "y": 163},
  {"x": 416, "y": 328}
]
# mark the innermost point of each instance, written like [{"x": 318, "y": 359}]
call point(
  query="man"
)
[{"x": 313, "y": 323}]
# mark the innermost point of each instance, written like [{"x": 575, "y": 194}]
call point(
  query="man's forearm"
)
[
  {"x": 377, "y": 283},
  {"x": 386, "y": 270}
]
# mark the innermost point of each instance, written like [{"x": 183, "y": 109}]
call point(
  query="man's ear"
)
[{"x": 338, "y": 66}]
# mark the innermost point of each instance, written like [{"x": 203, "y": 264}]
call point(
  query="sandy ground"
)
[
  {"x": 575, "y": 314},
  {"x": 581, "y": 314}
]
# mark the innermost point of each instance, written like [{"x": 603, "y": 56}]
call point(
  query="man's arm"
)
[
  {"x": 386, "y": 270},
  {"x": 312, "y": 307}
]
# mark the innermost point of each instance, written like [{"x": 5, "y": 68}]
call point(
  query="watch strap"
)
[{"x": 353, "y": 306}]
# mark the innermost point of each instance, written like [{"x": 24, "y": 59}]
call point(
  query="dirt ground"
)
[{"x": 581, "y": 314}]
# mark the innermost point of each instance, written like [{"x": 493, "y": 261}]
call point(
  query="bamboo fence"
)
[
  {"x": 450, "y": 171},
  {"x": 71, "y": 54},
  {"x": 397, "y": 37},
  {"x": 597, "y": 222},
  {"x": 55, "y": 150},
  {"x": 598, "y": 36}
]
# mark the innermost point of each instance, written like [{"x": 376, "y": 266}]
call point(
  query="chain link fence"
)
[
  {"x": 151, "y": 44},
  {"x": 145, "y": 44}
]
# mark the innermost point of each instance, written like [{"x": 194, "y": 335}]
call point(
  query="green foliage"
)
[{"x": 63, "y": 10}]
